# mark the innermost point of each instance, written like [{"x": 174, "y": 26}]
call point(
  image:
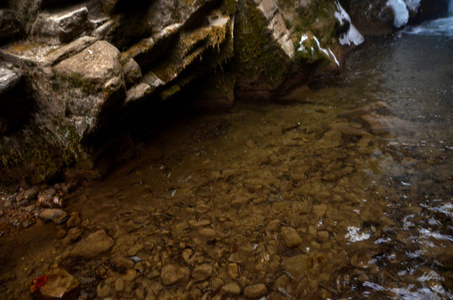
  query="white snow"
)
[
  {"x": 352, "y": 35},
  {"x": 400, "y": 11},
  {"x": 326, "y": 52},
  {"x": 334, "y": 57},
  {"x": 320, "y": 48},
  {"x": 354, "y": 236},
  {"x": 303, "y": 38}
]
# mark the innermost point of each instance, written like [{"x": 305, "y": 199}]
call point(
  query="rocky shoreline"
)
[{"x": 76, "y": 76}]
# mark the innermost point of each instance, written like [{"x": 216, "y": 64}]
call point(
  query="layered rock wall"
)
[{"x": 73, "y": 72}]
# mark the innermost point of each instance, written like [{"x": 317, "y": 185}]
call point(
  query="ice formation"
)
[
  {"x": 413, "y": 5},
  {"x": 400, "y": 10},
  {"x": 352, "y": 35}
]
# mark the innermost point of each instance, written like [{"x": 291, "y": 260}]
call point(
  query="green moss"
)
[{"x": 257, "y": 58}]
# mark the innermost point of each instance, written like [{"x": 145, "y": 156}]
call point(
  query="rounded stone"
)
[
  {"x": 202, "y": 272},
  {"x": 231, "y": 289},
  {"x": 291, "y": 237},
  {"x": 174, "y": 274},
  {"x": 255, "y": 291}
]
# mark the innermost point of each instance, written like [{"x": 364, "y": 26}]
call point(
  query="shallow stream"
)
[{"x": 359, "y": 166}]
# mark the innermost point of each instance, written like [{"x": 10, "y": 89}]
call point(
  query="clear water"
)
[{"x": 361, "y": 166}]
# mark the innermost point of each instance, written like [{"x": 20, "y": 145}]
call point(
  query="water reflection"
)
[{"x": 359, "y": 168}]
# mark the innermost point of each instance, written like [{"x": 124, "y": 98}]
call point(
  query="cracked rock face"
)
[{"x": 86, "y": 68}]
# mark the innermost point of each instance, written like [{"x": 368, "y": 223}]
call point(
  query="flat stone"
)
[
  {"x": 291, "y": 237},
  {"x": 70, "y": 49},
  {"x": 231, "y": 289},
  {"x": 202, "y": 272},
  {"x": 93, "y": 245},
  {"x": 174, "y": 274},
  {"x": 55, "y": 215},
  {"x": 255, "y": 291},
  {"x": 61, "y": 27},
  {"x": 138, "y": 92},
  {"x": 95, "y": 64},
  {"x": 59, "y": 285}
]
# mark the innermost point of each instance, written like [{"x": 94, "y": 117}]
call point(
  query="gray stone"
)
[
  {"x": 61, "y": 27},
  {"x": 9, "y": 78},
  {"x": 45, "y": 198},
  {"x": 174, "y": 274},
  {"x": 153, "y": 81},
  {"x": 93, "y": 245},
  {"x": 94, "y": 65},
  {"x": 202, "y": 272},
  {"x": 55, "y": 215},
  {"x": 255, "y": 291},
  {"x": 69, "y": 50},
  {"x": 132, "y": 72},
  {"x": 276, "y": 25},
  {"x": 59, "y": 285},
  {"x": 137, "y": 92},
  {"x": 291, "y": 237}
]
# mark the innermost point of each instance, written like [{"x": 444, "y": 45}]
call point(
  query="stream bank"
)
[{"x": 341, "y": 191}]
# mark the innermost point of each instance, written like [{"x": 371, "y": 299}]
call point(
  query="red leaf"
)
[
  {"x": 215, "y": 292},
  {"x": 38, "y": 282}
]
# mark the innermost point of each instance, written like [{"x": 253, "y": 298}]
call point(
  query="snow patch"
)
[
  {"x": 352, "y": 36},
  {"x": 354, "y": 235},
  {"x": 303, "y": 38},
  {"x": 400, "y": 11}
]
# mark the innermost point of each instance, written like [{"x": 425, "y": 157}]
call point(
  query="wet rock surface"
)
[
  {"x": 93, "y": 245},
  {"x": 313, "y": 199}
]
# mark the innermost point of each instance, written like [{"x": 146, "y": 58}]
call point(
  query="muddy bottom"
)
[{"x": 346, "y": 192}]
